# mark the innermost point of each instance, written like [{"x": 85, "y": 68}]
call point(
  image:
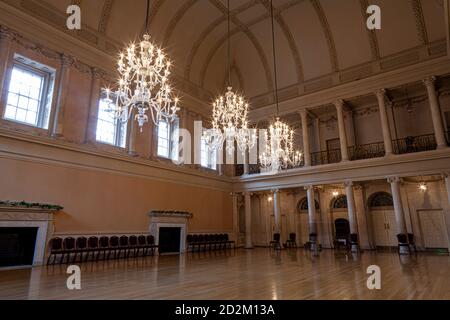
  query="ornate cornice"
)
[{"x": 170, "y": 214}]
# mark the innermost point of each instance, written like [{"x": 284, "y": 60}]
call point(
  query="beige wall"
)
[{"x": 99, "y": 202}]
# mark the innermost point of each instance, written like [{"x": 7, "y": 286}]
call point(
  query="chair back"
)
[
  {"x": 93, "y": 243},
  {"x": 104, "y": 242},
  {"x": 354, "y": 238},
  {"x": 313, "y": 237},
  {"x": 411, "y": 238},
  {"x": 133, "y": 241},
  {"x": 189, "y": 238},
  {"x": 226, "y": 237},
  {"x": 292, "y": 237},
  {"x": 81, "y": 243},
  {"x": 195, "y": 238},
  {"x": 150, "y": 240},
  {"x": 402, "y": 238},
  {"x": 114, "y": 242},
  {"x": 69, "y": 243},
  {"x": 276, "y": 237},
  {"x": 142, "y": 241},
  {"x": 123, "y": 241},
  {"x": 56, "y": 244}
]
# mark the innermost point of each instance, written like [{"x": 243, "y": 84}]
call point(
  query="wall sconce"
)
[
  {"x": 423, "y": 187},
  {"x": 335, "y": 193},
  {"x": 270, "y": 199}
]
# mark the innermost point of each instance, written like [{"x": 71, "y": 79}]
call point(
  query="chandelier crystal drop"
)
[
  {"x": 143, "y": 84},
  {"x": 279, "y": 151},
  {"x": 230, "y": 118}
]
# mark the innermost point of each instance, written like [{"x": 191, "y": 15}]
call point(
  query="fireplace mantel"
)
[
  {"x": 171, "y": 219},
  {"x": 32, "y": 217}
]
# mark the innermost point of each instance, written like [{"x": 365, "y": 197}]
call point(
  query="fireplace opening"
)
[
  {"x": 17, "y": 246},
  {"x": 169, "y": 240}
]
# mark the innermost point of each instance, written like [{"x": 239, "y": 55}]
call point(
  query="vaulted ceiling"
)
[{"x": 319, "y": 43}]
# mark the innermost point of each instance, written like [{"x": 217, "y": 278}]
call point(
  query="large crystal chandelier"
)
[
  {"x": 279, "y": 152},
  {"x": 143, "y": 84},
  {"x": 230, "y": 118}
]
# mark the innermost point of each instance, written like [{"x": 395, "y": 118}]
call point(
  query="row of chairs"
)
[
  {"x": 209, "y": 242},
  {"x": 276, "y": 242},
  {"x": 94, "y": 247}
]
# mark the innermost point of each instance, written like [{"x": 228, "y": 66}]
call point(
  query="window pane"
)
[
  {"x": 109, "y": 129},
  {"x": 24, "y": 96},
  {"x": 163, "y": 139}
]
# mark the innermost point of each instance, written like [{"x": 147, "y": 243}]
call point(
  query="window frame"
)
[
  {"x": 43, "y": 94},
  {"x": 210, "y": 154},
  {"x": 172, "y": 126},
  {"x": 120, "y": 129}
]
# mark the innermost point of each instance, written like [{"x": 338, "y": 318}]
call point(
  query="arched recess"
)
[
  {"x": 339, "y": 212},
  {"x": 303, "y": 221},
  {"x": 339, "y": 202},
  {"x": 380, "y": 199},
  {"x": 303, "y": 205}
]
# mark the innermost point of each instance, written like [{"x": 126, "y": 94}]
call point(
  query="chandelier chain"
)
[
  {"x": 274, "y": 58},
  {"x": 229, "y": 45}
]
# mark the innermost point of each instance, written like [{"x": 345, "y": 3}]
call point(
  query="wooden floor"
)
[{"x": 253, "y": 274}]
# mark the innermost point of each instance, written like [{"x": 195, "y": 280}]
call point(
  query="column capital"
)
[
  {"x": 348, "y": 184},
  {"x": 309, "y": 187},
  {"x": 430, "y": 81},
  {"x": 380, "y": 93},
  {"x": 67, "y": 60},
  {"x": 98, "y": 73},
  {"x": 6, "y": 33},
  {"x": 303, "y": 112},
  {"x": 339, "y": 103},
  {"x": 395, "y": 180},
  {"x": 275, "y": 191},
  {"x": 446, "y": 174}
]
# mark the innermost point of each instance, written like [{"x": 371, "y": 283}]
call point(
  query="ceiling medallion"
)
[{"x": 143, "y": 84}]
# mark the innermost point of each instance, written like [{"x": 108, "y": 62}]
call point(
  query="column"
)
[
  {"x": 447, "y": 184},
  {"x": 398, "y": 207},
  {"x": 277, "y": 211},
  {"x": 342, "y": 135},
  {"x": 235, "y": 217},
  {"x": 5, "y": 52},
  {"x": 57, "y": 116},
  {"x": 435, "y": 112},
  {"x": 352, "y": 214},
  {"x": 91, "y": 126},
  {"x": 387, "y": 138},
  {"x": 248, "y": 221},
  {"x": 246, "y": 162},
  {"x": 312, "y": 216},
  {"x": 305, "y": 135},
  {"x": 132, "y": 134}
]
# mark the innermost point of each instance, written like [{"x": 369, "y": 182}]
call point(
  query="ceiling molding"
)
[
  {"x": 371, "y": 34},
  {"x": 198, "y": 43},
  {"x": 328, "y": 34},
  {"x": 246, "y": 30},
  {"x": 104, "y": 17},
  {"x": 177, "y": 18},
  {"x": 288, "y": 34},
  {"x": 420, "y": 21}
]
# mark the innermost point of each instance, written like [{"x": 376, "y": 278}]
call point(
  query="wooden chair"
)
[
  {"x": 80, "y": 248},
  {"x": 69, "y": 248},
  {"x": 291, "y": 242},
  {"x": 56, "y": 247},
  {"x": 132, "y": 245},
  {"x": 92, "y": 247},
  {"x": 103, "y": 247},
  {"x": 403, "y": 242},
  {"x": 412, "y": 242},
  {"x": 142, "y": 245},
  {"x": 151, "y": 244},
  {"x": 275, "y": 243},
  {"x": 124, "y": 246},
  {"x": 113, "y": 246}
]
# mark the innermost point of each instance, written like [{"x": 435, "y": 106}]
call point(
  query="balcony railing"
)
[
  {"x": 366, "y": 151},
  {"x": 415, "y": 144},
  {"x": 326, "y": 157}
]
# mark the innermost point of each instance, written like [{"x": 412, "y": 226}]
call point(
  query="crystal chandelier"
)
[
  {"x": 279, "y": 151},
  {"x": 143, "y": 84},
  {"x": 230, "y": 118}
]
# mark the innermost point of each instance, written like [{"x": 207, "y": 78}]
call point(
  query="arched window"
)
[
  {"x": 380, "y": 199},
  {"x": 339, "y": 202},
  {"x": 303, "y": 205}
]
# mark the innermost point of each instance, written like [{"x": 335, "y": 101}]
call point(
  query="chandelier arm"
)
[{"x": 274, "y": 57}]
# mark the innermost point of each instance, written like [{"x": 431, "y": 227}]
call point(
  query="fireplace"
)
[
  {"x": 17, "y": 246},
  {"x": 169, "y": 240},
  {"x": 170, "y": 229},
  {"x": 24, "y": 234}
]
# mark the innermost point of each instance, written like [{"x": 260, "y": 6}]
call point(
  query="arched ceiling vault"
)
[{"x": 321, "y": 44}]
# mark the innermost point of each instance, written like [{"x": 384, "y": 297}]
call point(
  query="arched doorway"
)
[
  {"x": 339, "y": 216},
  {"x": 382, "y": 215},
  {"x": 303, "y": 222}
]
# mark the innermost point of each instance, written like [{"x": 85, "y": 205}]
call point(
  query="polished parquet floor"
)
[{"x": 242, "y": 274}]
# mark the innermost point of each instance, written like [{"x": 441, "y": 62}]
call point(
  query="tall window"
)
[
  {"x": 110, "y": 130},
  {"x": 208, "y": 157},
  {"x": 29, "y": 93},
  {"x": 168, "y": 139}
]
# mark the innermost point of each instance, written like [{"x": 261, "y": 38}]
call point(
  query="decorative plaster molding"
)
[
  {"x": 420, "y": 21},
  {"x": 170, "y": 214}
]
